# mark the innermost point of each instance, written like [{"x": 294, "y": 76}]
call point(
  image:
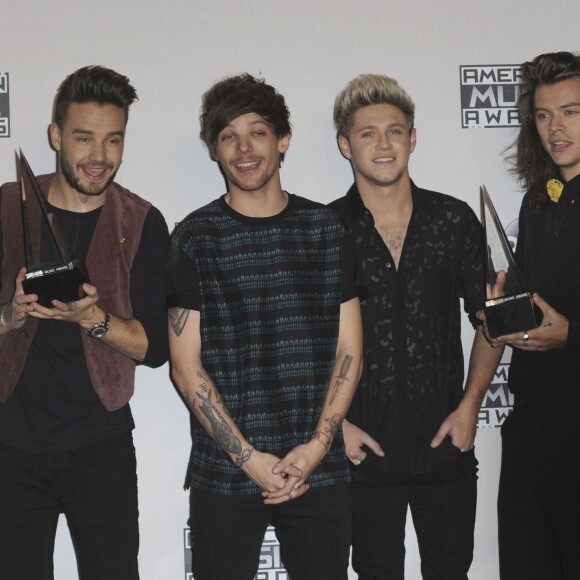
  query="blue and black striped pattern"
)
[{"x": 269, "y": 293}]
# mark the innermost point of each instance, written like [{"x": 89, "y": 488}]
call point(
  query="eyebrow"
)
[
  {"x": 119, "y": 133},
  {"x": 565, "y": 106},
  {"x": 366, "y": 127}
]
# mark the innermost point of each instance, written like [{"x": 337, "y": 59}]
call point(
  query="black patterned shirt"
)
[
  {"x": 413, "y": 359},
  {"x": 269, "y": 292}
]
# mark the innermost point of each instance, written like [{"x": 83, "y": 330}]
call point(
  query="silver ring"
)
[{"x": 526, "y": 338}]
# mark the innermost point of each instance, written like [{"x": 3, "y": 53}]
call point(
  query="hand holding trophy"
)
[{"x": 508, "y": 307}]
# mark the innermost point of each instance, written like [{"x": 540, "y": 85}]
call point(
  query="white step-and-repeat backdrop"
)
[{"x": 458, "y": 60}]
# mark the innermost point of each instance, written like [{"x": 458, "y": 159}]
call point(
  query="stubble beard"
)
[{"x": 94, "y": 189}]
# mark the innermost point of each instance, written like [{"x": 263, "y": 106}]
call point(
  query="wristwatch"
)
[{"x": 100, "y": 329}]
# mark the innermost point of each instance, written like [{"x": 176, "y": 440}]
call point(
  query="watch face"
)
[{"x": 98, "y": 332}]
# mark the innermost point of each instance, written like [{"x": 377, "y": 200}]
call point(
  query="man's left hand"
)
[
  {"x": 461, "y": 427},
  {"x": 305, "y": 457},
  {"x": 84, "y": 311},
  {"x": 551, "y": 334}
]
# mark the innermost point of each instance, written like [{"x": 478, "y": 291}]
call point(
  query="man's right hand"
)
[
  {"x": 354, "y": 439},
  {"x": 15, "y": 312}
]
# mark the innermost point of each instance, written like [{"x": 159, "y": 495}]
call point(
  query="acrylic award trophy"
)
[
  {"x": 52, "y": 273},
  {"x": 508, "y": 306}
]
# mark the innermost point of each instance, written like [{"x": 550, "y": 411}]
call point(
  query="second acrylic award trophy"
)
[
  {"x": 508, "y": 306},
  {"x": 52, "y": 273}
]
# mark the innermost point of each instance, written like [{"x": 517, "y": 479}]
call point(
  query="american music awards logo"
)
[
  {"x": 498, "y": 401},
  {"x": 270, "y": 568},
  {"x": 489, "y": 95},
  {"x": 4, "y": 106}
]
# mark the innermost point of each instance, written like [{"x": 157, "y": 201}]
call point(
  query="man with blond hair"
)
[{"x": 411, "y": 427}]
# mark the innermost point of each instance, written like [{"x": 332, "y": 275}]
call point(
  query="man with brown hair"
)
[
  {"x": 68, "y": 369},
  {"x": 265, "y": 345},
  {"x": 539, "y": 494}
]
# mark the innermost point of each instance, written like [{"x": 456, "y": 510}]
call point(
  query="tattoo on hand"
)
[
  {"x": 177, "y": 319},
  {"x": 220, "y": 430},
  {"x": 341, "y": 378},
  {"x": 244, "y": 456}
]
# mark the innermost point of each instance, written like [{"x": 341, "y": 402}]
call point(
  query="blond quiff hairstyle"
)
[{"x": 370, "y": 89}]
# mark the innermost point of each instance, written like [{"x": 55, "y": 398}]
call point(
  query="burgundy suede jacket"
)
[{"x": 113, "y": 248}]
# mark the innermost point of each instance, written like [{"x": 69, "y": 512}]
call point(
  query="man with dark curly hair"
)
[{"x": 539, "y": 494}]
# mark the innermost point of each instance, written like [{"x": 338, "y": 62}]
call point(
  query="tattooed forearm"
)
[
  {"x": 341, "y": 378},
  {"x": 244, "y": 456},
  {"x": 177, "y": 319},
  {"x": 220, "y": 429}
]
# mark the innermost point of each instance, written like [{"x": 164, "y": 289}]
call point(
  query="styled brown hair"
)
[
  {"x": 239, "y": 95},
  {"x": 93, "y": 84}
]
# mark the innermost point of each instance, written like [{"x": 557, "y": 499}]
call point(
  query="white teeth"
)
[
  {"x": 247, "y": 165},
  {"x": 384, "y": 159}
]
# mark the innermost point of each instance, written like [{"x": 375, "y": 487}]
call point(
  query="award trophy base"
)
[
  {"x": 63, "y": 282},
  {"x": 514, "y": 313}
]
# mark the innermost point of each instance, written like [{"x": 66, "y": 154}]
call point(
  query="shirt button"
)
[{"x": 388, "y": 264}]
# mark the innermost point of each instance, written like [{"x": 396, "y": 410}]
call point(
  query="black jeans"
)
[
  {"x": 444, "y": 519},
  {"x": 313, "y": 531},
  {"x": 539, "y": 490},
  {"x": 94, "y": 487}
]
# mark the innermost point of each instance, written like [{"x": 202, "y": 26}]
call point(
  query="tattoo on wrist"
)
[
  {"x": 244, "y": 456},
  {"x": 322, "y": 438},
  {"x": 334, "y": 424},
  {"x": 341, "y": 378},
  {"x": 177, "y": 319}
]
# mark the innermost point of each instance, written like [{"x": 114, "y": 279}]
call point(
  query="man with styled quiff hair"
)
[
  {"x": 68, "y": 369},
  {"x": 410, "y": 431},
  {"x": 367, "y": 90}
]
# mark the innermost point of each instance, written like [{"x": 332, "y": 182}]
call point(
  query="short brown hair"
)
[
  {"x": 239, "y": 95},
  {"x": 93, "y": 84}
]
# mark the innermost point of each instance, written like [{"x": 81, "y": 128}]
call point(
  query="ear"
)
[
  {"x": 284, "y": 143},
  {"x": 55, "y": 136},
  {"x": 413, "y": 139},
  {"x": 344, "y": 146}
]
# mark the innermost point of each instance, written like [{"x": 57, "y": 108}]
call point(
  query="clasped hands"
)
[{"x": 284, "y": 479}]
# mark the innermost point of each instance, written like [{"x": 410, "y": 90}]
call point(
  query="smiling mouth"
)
[
  {"x": 247, "y": 165},
  {"x": 95, "y": 173},
  {"x": 559, "y": 145},
  {"x": 384, "y": 159}
]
